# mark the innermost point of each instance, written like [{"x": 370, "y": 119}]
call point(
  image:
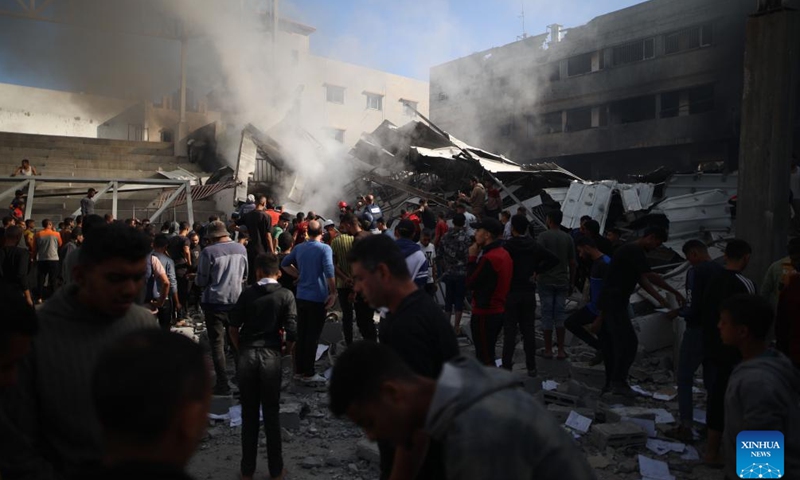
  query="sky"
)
[{"x": 407, "y": 37}]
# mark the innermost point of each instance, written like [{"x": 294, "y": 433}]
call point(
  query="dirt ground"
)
[{"x": 324, "y": 447}]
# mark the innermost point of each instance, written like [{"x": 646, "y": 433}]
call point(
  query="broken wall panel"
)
[
  {"x": 694, "y": 214},
  {"x": 684, "y": 184},
  {"x": 590, "y": 198}
]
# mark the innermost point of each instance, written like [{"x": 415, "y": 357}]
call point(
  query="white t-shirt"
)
[{"x": 430, "y": 254}]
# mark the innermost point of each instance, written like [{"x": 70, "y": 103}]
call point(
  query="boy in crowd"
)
[
  {"x": 262, "y": 312},
  {"x": 430, "y": 254},
  {"x": 763, "y": 390}
]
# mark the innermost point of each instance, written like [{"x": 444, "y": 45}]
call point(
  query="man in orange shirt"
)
[{"x": 45, "y": 251}]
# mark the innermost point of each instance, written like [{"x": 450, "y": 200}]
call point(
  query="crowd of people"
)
[{"x": 101, "y": 392}]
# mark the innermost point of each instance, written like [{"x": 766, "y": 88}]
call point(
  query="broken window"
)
[
  {"x": 334, "y": 94},
  {"x": 545, "y": 124},
  {"x": 374, "y": 101},
  {"x": 670, "y": 104},
  {"x": 634, "y": 51},
  {"x": 701, "y": 99},
  {"x": 336, "y": 134},
  {"x": 555, "y": 72},
  {"x": 579, "y": 119},
  {"x": 631, "y": 110},
  {"x": 688, "y": 38},
  {"x": 409, "y": 108},
  {"x": 166, "y": 136},
  {"x": 579, "y": 64}
]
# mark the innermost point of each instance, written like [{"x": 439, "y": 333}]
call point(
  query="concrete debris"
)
[
  {"x": 660, "y": 447},
  {"x": 291, "y": 414},
  {"x": 598, "y": 461},
  {"x": 617, "y": 435},
  {"x": 368, "y": 451},
  {"x": 647, "y": 425},
  {"x": 654, "y": 469}
]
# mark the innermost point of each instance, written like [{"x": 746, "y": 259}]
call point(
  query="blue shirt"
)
[
  {"x": 314, "y": 260},
  {"x": 221, "y": 268},
  {"x": 596, "y": 277}
]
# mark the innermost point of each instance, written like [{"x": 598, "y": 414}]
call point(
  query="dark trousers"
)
[
  {"x": 577, "y": 321},
  {"x": 252, "y": 253},
  {"x": 165, "y": 315},
  {"x": 363, "y": 315},
  {"x": 310, "y": 320},
  {"x": 216, "y": 325},
  {"x": 520, "y": 314},
  {"x": 691, "y": 356},
  {"x": 183, "y": 294},
  {"x": 260, "y": 389},
  {"x": 725, "y": 360},
  {"x": 485, "y": 330},
  {"x": 46, "y": 269},
  {"x": 619, "y": 345}
]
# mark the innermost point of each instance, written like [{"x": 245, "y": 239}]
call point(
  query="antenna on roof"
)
[{"x": 522, "y": 17}]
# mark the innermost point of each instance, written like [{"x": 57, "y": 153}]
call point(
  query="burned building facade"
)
[{"x": 656, "y": 84}]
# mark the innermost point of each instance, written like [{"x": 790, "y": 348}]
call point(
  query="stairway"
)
[{"x": 75, "y": 157}]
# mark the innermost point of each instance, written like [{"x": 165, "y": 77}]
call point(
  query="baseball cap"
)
[
  {"x": 216, "y": 229},
  {"x": 491, "y": 225},
  {"x": 286, "y": 216}
]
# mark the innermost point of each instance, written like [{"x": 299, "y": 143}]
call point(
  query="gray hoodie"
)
[
  {"x": 493, "y": 429},
  {"x": 764, "y": 394}
]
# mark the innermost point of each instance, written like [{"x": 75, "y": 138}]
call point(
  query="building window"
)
[
  {"x": 634, "y": 52},
  {"x": 336, "y": 134},
  {"x": 167, "y": 136},
  {"x": 579, "y": 64},
  {"x": 631, "y": 110},
  {"x": 409, "y": 108},
  {"x": 701, "y": 99},
  {"x": 555, "y": 72},
  {"x": 579, "y": 119},
  {"x": 688, "y": 39},
  {"x": 545, "y": 124},
  {"x": 374, "y": 101},
  {"x": 334, "y": 94},
  {"x": 670, "y": 104}
]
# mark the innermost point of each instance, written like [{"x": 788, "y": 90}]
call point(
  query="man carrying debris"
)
[
  {"x": 763, "y": 390},
  {"x": 528, "y": 258},
  {"x": 698, "y": 278},
  {"x": 221, "y": 270},
  {"x": 415, "y": 328},
  {"x": 723, "y": 285},
  {"x": 628, "y": 268},
  {"x": 152, "y": 394},
  {"x": 491, "y": 428},
  {"x": 311, "y": 263},
  {"x": 489, "y": 271},
  {"x": 53, "y": 402},
  {"x": 261, "y": 313},
  {"x": 555, "y": 284}
]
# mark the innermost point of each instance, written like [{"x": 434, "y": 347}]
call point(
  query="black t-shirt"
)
[
  {"x": 722, "y": 285},
  {"x": 420, "y": 333},
  {"x": 258, "y": 225},
  {"x": 14, "y": 263},
  {"x": 627, "y": 265},
  {"x": 428, "y": 219},
  {"x": 175, "y": 250}
]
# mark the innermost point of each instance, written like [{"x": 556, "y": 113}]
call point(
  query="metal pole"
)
[
  {"x": 10, "y": 191},
  {"x": 114, "y": 199},
  {"x": 96, "y": 197},
  {"x": 189, "y": 206},
  {"x": 29, "y": 200},
  {"x": 168, "y": 202}
]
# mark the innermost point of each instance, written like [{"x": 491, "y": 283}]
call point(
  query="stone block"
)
[
  {"x": 368, "y": 451},
  {"x": 593, "y": 376},
  {"x": 604, "y": 414},
  {"x": 559, "y": 398},
  {"x": 561, "y": 412},
  {"x": 532, "y": 385},
  {"x": 616, "y": 435},
  {"x": 291, "y": 414},
  {"x": 654, "y": 331}
]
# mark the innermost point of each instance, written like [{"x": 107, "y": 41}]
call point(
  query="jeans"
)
[
  {"x": 165, "y": 316},
  {"x": 216, "y": 325},
  {"x": 310, "y": 321},
  {"x": 260, "y": 389},
  {"x": 364, "y": 316},
  {"x": 724, "y": 362},
  {"x": 553, "y": 299},
  {"x": 619, "y": 345},
  {"x": 46, "y": 269},
  {"x": 485, "y": 330},
  {"x": 691, "y": 356},
  {"x": 183, "y": 294},
  {"x": 576, "y": 322},
  {"x": 520, "y": 313},
  {"x": 455, "y": 291}
]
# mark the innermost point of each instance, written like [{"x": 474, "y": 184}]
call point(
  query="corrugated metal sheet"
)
[
  {"x": 557, "y": 194},
  {"x": 587, "y": 198},
  {"x": 179, "y": 174},
  {"x": 637, "y": 196},
  {"x": 693, "y": 214},
  {"x": 685, "y": 184}
]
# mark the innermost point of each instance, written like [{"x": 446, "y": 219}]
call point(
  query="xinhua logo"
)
[{"x": 759, "y": 454}]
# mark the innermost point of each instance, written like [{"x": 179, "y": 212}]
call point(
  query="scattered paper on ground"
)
[
  {"x": 654, "y": 469},
  {"x": 691, "y": 453},
  {"x": 549, "y": 385},
  {"x": 578, "y": 422},
  {"x": 660, "y": 447},
  {"x": 641, "y": 391},
  {"x": 699, "y": 416},
  {"x": 320, "y": 350}
]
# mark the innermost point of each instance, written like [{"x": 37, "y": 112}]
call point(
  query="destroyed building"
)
[{"x": 655, "y": 84}]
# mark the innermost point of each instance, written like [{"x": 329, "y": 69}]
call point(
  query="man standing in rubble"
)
[
  {"x": 259, "y": 229},
  {"x": 477, "y": 199},
  {"x": 371, "y": 213},
  {"x": 628, "y": 268}
]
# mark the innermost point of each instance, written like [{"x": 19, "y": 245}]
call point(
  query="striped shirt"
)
[{"x": 341, "y": 246}]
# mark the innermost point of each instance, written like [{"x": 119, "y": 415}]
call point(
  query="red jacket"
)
[{"x": 489, "y": 278}]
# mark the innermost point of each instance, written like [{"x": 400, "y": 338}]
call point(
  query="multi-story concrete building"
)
[{"x": 655, "y": 84}]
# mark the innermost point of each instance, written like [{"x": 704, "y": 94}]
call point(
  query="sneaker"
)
[{"x": 317, "y": 378}]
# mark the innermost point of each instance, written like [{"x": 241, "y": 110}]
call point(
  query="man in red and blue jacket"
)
[{"x": 489, "y": 271}]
